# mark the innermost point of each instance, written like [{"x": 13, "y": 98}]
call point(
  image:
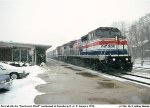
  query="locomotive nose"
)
[{"x": 121, "y": 64}]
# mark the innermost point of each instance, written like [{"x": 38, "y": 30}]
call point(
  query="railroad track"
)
[
  {"x": 134, "y": 78},
  {"x": 137, "y": 75},
  {"x": 127, "y": 76},
  {"x": 141, "y": 68}
]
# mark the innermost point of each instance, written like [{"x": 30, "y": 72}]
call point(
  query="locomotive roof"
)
[
  {"x": 90, "y": 32},
  {"x": 102, "y": 28}
]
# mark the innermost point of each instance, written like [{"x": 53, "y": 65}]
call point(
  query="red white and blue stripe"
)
[{"x": 107, "y": 46}]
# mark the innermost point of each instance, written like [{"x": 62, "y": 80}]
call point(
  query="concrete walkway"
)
[{"x": 68, "y": 84}]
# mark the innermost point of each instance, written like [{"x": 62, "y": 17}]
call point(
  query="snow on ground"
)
[
  {"x": 23, "y": 90},
  {"x": 146, "y": 63}
]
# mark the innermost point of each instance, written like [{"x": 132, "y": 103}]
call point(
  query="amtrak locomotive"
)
[{"x": 102, "y": 49}]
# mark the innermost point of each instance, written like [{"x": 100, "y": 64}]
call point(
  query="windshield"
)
[{"x": 107, "y": 33}]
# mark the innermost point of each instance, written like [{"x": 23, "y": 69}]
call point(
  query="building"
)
[{"x": 31, "y": 53}]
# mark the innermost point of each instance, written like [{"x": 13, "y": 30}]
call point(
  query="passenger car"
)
[
  {"x": 5, "y": 81},
  {"x": 12, "y": 71}
]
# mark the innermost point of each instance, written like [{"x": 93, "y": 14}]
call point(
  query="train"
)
[{"x": 103, "y": 49}]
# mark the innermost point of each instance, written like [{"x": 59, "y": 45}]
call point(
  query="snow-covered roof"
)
[{"x": 17, "y": 44}]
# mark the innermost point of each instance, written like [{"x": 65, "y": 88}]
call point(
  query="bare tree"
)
[
  {"x": 139, "y": 35},
  {"x": 122, "y": 26}
]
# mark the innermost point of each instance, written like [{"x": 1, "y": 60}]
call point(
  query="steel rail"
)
[
  {"x": 130, "y": 79},
  {"x": 137, "y": 75}
]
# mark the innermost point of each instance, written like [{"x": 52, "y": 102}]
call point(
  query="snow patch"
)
[{"x": 23, "y": 90}]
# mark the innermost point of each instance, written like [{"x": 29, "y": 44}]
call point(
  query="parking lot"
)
[{"x": 23, "y": 90}]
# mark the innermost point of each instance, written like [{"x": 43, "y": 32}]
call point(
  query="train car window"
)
[
  {"x": 89, "y": 36},
  {"x": 92, "y": 35}
]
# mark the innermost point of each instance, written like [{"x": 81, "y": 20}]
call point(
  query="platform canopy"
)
[{"x": 14, "y": 51}]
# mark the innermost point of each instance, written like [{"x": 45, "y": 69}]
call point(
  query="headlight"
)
[
  {"x": 127, "y": 59},
  {"x": 114, "y": 59}
]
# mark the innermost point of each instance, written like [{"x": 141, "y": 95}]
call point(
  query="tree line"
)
[{"x": 138, "y": 35}]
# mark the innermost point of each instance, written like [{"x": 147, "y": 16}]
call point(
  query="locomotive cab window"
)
[
  {"x": 115, "y": 32},
  {"x": 107, "y": 33},
  {"x": 102, "y": 33}
]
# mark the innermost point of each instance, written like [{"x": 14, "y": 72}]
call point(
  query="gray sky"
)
[{"x": 55, "y": 22}]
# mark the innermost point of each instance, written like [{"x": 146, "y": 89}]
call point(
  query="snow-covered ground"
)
[
  {"x": 146, "y": 63},
  {"x": 23, "y": 90}
]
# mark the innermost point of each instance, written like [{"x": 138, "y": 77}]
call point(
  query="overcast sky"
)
[{"x": 55, "y": 22}]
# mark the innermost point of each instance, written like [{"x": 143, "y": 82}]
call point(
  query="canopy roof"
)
[{"x": 26, "y": 45}]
